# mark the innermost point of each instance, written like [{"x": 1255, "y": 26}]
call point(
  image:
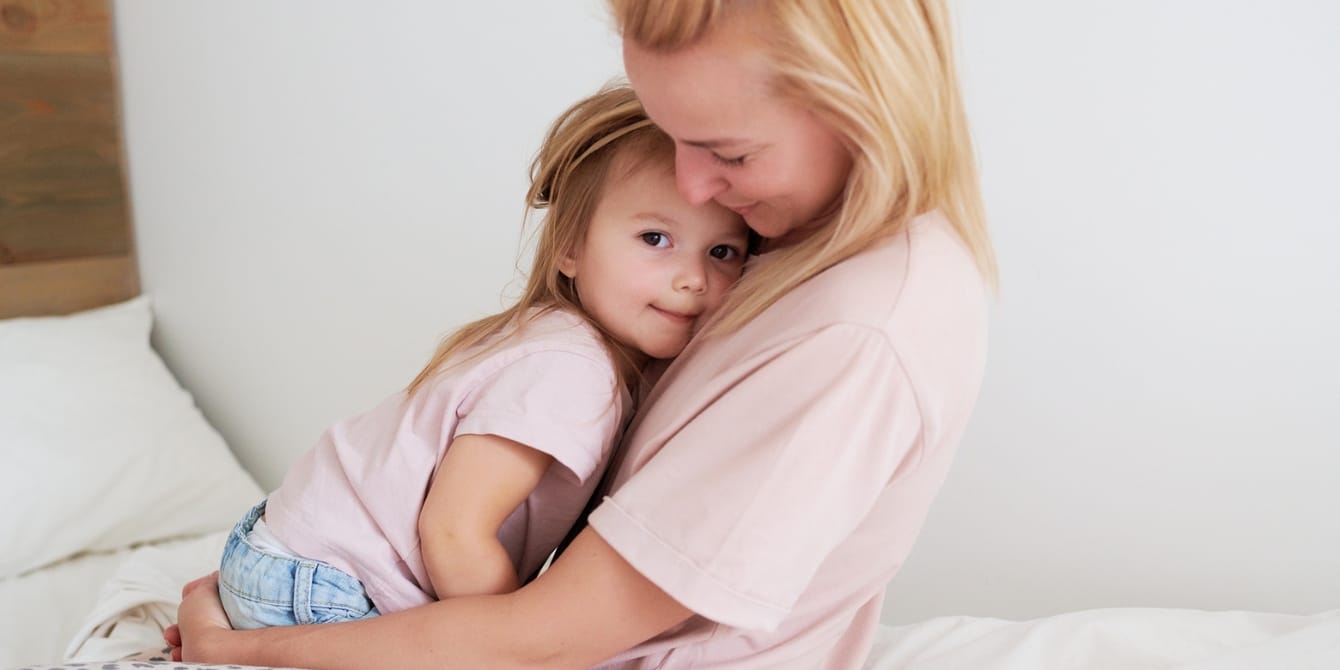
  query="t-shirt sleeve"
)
[
  {"x": 733, "y": 516},
  {"x": 562, "y": 403}
]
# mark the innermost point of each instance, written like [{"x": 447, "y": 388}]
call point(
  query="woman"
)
[{"x": 783, "y": 466}]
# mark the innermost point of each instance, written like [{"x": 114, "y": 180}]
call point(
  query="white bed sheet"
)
[
  {"x": 42, "y": 612},
  {"x": 1115, "y": 639},
  {"x": 107, "y": 606}
]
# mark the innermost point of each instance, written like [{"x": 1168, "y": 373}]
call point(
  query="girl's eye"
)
[
  {"x": 728, "y": 162},
  {"x": 656, "y": 239},
  {"x": 724, "y": 252}
]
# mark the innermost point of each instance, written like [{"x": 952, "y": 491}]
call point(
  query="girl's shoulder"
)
[
  {"x": 544, "y": 346},
  {"x": 551, "y": 330}
]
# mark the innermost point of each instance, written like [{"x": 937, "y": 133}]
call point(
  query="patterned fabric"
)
[{"x": 157, "y": 658}]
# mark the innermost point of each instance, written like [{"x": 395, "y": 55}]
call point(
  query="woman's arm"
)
[
  {"x": 588, "y": 607},
  {"x": 478, "y": 484}
]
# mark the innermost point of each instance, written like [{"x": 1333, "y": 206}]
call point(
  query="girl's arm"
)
[
  {"x": 479, "y": 483},
  {"x": 589, "y": 606}
]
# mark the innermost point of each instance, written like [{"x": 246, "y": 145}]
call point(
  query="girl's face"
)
[
  {"x": 736, "y": 142},
  {"x": 653, "y": 267}
]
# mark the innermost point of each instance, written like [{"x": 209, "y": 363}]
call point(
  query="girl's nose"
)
[{"x": 692, "y": 277}]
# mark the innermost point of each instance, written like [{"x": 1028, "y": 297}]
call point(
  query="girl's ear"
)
[{"x": 567, "y": 265}]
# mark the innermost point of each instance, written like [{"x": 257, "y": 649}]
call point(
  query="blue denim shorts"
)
[{"x": 260, "y": 589}]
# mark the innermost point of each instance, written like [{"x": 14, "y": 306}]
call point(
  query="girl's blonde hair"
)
[
  {"x": 603, "y": 137},
  {"x": 881, "y": 73}
]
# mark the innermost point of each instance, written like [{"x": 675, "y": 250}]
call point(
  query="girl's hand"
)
[{"x": 200, "y": 614}]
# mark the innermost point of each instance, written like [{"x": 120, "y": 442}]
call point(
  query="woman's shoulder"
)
[
  {"x": 921, "y": 277},
  {"x": 913, "y": 302},
  {"x": 931, "y": 275}
]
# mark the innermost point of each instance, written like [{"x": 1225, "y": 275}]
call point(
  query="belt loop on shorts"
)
[{"x": 302, "y": 591}]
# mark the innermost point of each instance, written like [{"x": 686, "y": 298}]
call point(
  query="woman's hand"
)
[{"x": 200, "y": 614}]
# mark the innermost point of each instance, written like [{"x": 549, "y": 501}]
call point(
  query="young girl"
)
[
  {"x": 467, "y": 481},
  {"x": 776, "y": 478}
]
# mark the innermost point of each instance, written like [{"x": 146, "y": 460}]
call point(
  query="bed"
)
[{"x": 118, "y": 490}]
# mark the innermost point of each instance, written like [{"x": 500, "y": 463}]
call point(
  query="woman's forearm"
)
[
  {"x": 590, "y": 605},
  {"x": 469, "y": 632}
]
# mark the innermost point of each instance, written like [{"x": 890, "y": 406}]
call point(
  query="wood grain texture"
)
[
  {"x": 55, "y": 26},
  {"x": 61, "y": 191},
  {"x": 63, "y": 204},
  {"x": 62, "y": 287}
]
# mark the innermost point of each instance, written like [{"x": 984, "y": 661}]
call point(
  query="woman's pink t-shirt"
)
[
  {"x": 353, "y": 500},
  {"x": 780, "y": 474}
]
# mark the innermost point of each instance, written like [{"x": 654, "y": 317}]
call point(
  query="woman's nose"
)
[{"x": 696, "y": 178}]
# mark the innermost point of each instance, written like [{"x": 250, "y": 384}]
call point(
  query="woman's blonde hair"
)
[
  {"x": 880, "y": 73},
  {"x": 603, "y": 137}
]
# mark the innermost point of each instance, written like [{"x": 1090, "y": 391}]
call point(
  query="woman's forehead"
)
[{"x": 700, "y": 94}]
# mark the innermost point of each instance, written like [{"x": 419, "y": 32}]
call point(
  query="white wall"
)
[
  {"x": 322, "y": 189},
  {"x": 1158, "y": 425}
]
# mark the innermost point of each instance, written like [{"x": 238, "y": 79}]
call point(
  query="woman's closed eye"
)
[
  {"x": 735, "y": 161},
  {"x": 656, "y": 239}
]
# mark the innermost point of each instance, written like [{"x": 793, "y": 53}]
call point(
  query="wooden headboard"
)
[{"x": 65, "y": 235}]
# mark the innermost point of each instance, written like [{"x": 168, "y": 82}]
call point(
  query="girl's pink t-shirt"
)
[
  {"x": 353, "y": 500},
  {"x": 780, "y": 474}
]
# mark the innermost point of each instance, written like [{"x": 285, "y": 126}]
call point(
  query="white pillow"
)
[{"x": 100, "y": 448}]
